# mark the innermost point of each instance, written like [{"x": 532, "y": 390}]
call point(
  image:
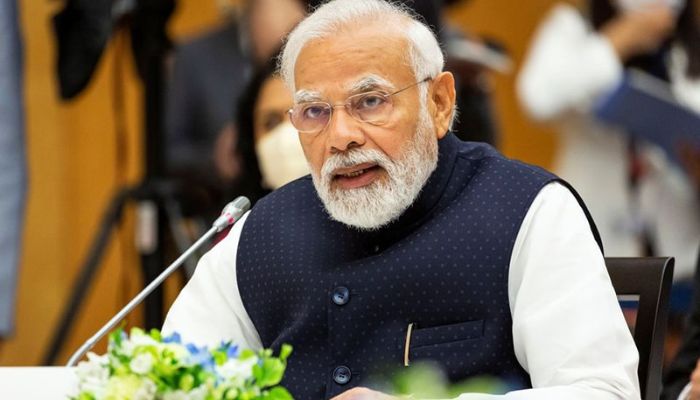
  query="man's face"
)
[
  {"x": 356, "y": 163},
  {"x": 330, "y": 68}
]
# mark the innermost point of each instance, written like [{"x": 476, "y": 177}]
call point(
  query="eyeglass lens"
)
[{"x": 371, "y": 107}]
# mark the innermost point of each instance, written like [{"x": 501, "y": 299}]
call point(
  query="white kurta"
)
[
  {"x": 568, "y": 68},
  {"x": 568, "y": 330}
]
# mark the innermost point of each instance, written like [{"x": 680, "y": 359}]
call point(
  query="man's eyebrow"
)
[
  {"x": 305, "y": 96},
  {"x": 370, "y": 82}
]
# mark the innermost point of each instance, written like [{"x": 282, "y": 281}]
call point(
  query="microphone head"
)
[
  {"x": 232, "y": 212},
  {"x": 241, "y": 203}
]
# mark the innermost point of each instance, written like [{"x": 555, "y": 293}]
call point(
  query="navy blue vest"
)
[{"x": 344, "y": 298}]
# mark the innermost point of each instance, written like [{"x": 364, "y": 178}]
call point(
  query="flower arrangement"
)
[{"x": 148, "y": 366}]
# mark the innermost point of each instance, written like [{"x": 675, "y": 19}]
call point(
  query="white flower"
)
[
  {"x": 127, "y": 348},
  {"x": 142, "y": 363},
  {"x": 93, "y": 375},
  {"x": 102, "y": 360},
  {"x": 137, "y": 340},
  {"x": 143, "y": 340},
  {"x": 238, "y": 370},
  {"x": 198, "y": 393},
  {"x": 179, "y": 351},
  {"x": 176, "y": 395},
  {"x": 147, "y": 391},
  {"x": 95, "y": 367},
  {"x": 128, "y": 386},
  {"x": 96, "y": 388}
]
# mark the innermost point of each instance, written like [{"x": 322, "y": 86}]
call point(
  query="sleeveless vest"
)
[{"x": 344, "y": 299}]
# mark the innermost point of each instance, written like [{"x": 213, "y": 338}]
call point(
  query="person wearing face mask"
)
[
  {"x": 208, "y": 77},
  {"x": 268, "y": 143},
  {"x": 643, "y": 204}
]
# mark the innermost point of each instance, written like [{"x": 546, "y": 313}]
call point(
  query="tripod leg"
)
[
  {"x": 86, "y": 275},
  {"x": 150, "y": 230}
]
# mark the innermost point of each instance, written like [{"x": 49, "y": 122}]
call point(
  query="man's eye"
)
[
  {"x": 370, "y": 101},
  {"x": 314, "y": 111}
]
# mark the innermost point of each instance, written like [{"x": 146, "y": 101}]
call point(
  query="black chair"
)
[{"x": 650, "y": 279}]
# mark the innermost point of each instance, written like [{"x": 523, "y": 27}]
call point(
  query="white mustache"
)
[{"x": 352, "y": 158}]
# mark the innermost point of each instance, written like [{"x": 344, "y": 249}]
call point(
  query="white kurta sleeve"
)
[
  {"x": 209, "y": 309},
  {"x": 569, "y": 333},
  {"x": 567, "y": 68}
]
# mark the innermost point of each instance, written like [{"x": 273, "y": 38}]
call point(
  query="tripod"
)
[
  {"x": 157, "y": 196},
  {"x": 150, "y": 45}
]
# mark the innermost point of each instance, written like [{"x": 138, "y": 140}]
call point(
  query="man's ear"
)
[{"x": 441, "y": 102}]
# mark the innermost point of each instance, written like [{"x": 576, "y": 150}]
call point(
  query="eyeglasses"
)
[{"x": 373, "y": 107}]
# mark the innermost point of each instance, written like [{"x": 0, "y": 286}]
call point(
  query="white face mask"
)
[
  {"x": 280, "y": 156},
  {"x": 633, "y": 5}
]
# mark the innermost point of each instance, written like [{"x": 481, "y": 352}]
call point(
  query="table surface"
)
[{"x": 30, "y": 383}]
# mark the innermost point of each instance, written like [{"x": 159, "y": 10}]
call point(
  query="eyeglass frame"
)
[{"x": 346, "y": 105}]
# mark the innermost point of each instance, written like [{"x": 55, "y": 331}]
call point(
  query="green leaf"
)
[
  {"x": 84, "y": 396},
  {"x": 136, "y": 332},
  {"x": 155, "y": 335},
  {"x": 219, "y": 357},
  {"x": 479, "y": 384},
  {"x": 186, "y": 382},
  {"x": 277, "y": 393},
  {"x": 115, "y": 338},
  {"x": 246, "y": 354},
  {"x": 269, "y": 373},
  {"x": 285, "y": 352}
]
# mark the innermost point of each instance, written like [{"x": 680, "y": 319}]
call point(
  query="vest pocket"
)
[
  {"x": 444, "y": 342},
  {"x": 442, "y": 334}
]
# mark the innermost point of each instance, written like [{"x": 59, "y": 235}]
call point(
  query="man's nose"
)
[{"x": 344, "y": 131}]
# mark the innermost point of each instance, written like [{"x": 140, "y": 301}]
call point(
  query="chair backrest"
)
[{"x": 650, "y": 279}]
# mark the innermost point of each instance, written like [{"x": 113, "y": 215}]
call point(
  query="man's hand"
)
[
  {"x": 362, "y": 393},
  {"x": 639, "y": 32}
]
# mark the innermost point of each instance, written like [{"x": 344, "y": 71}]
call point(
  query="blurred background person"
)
[
  {"x": 209, "y": 74},
  {"x": 470, "y": 58},
  {"x": 268, "y": 144},
  {"x": 13, "y": 173},
  {"x": 642, "y": 204}
]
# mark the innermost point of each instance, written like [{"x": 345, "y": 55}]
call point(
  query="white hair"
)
[{"x": 424, "y": 55}]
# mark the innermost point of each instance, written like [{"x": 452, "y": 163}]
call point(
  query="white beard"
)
[{"x": 381, "y": 202}]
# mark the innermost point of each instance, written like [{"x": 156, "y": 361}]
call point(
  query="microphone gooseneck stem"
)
[{"x": 138, "y": 299}]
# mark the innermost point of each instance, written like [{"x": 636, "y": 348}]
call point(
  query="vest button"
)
[
  {"x": 342, "y": 375},
  {"x": 341, "y": 295}
]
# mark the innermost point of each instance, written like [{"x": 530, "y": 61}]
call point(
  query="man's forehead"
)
[
  {"x": 360, "y": 84},
  {"x": 341, "y": 61}
]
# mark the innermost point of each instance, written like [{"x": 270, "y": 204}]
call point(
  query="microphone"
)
[
  {"x": 231, "y": 213},
  {"x": 229, "y": 216}
]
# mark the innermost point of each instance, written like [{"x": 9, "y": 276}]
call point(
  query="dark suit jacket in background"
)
[{"x": 209, "y": 75}]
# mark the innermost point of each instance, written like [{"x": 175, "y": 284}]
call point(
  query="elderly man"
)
[{"x": 406, "y": 244}]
